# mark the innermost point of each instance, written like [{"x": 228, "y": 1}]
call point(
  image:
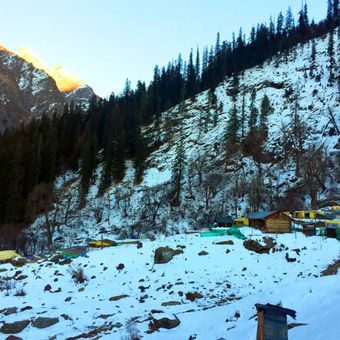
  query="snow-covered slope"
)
[{"x": 230, "y": 279}]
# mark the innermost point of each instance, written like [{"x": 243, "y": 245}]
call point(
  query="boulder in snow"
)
[
  {"x": 14, "y": 327},
  {"x": 42, "y": 322},
  {"x": 165, "y": 254}
]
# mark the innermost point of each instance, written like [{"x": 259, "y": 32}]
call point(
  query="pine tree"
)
[
  {"x": 271, "y": 29},
  {"x": 232, "y": 127},
  {"x": 205, "y": 59},
  {"x": 198, "y": 66},
  {"x": 234, "y": 86},
  {"x": 336, "y": 9},
  {"x": 212, "y": 100},
  {"x": 119, "y": 144},
  {"x": 239, "y": 41},
  {"x": 216, "y": 113},
  {"x": 243, "y": 115},
  {"x": 169, "y": 131},
  {"x": 191, "y": 78},
  {"x": 218, "y": 44},
  {"x": 303, "y": 21},
  {"x": 178, "y": 169},
  {"x": 330, "y": 51},
  {"x": 279, "y": 24},
  {"x": 87, "y": 164},
  {"x": 289, "y": 25},
  {"x": 15, "y": 199},
  {"x": 305, "y": 15},
  {"x": 266, "y": 110},
  {"x": 140, "y": 155},
  {"x": 233, "y": 44},
  {"x": 107, "y": 172},
  {"x": 252, "y": 35},
  {"x": 329, "y": 10},
  {"x": 253, "y": 111},
  {"x": 49, "y": 156},
  {"x": 313, "y": 58}
]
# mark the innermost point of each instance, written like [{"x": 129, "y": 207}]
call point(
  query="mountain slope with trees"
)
[{"x": 238, "y": 132}]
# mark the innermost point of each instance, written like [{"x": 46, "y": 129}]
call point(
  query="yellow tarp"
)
[
  {"x": 6, "y": 255},
  {"x": 242, "y": 220},
  {"x": 99, "y": 243}
]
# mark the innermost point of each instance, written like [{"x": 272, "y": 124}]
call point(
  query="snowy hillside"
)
[
  {"x": 215, "y": 182},
  {"x": 227, "y": 278}
]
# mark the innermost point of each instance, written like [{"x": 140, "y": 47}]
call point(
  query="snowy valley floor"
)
[{"x": 230, "y": 278}]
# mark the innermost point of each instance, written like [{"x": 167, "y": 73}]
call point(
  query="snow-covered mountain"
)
[
  {"x": 29, "y": 88},
  {"x": 25, "y": 91},
  {"x": 71, "y": 85}
]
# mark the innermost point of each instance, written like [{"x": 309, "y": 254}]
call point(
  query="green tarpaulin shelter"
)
[{"x": 233, "y": 231}]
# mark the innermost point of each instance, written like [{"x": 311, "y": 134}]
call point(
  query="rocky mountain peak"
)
[{"x": 65, "y": 80}]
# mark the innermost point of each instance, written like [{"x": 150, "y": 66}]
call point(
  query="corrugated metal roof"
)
[
  {"x": 277, "y": 309},
  {"x": 261, "y": 214}
]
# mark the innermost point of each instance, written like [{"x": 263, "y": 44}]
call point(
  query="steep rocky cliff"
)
[{"x": 25, "y": 91}]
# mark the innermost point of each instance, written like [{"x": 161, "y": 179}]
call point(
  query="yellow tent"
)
[
  {"x": 336, "y": 207},
  {"x": 7, "y": 255}
]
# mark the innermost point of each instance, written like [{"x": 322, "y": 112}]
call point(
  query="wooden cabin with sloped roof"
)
[{"x": 275, "y": 222}]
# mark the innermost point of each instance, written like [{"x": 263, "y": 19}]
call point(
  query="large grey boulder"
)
[
  {"x": 258, "y": 248},
  {"x": 44, "y": 322},
  {"x": 165, "y": 254},
  {"x": 14, "y": 327}
]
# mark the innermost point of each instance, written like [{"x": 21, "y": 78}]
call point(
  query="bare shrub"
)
[
  {"x": 131, "y": 330},
  {"x": 78, "y": 274},
  {"x": 20, "y": 291},
  {"x": 7, "y": 284}
]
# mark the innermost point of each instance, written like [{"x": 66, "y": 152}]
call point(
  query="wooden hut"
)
[
  {"x": 332, "y": 228},
  {"x": 309, "y": 229},
  {"x": 275, "y": 222},
  {"x": 272, "y": 322}
]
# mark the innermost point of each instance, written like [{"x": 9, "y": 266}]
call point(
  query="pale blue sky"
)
[{"x": 107, "y": 41}]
